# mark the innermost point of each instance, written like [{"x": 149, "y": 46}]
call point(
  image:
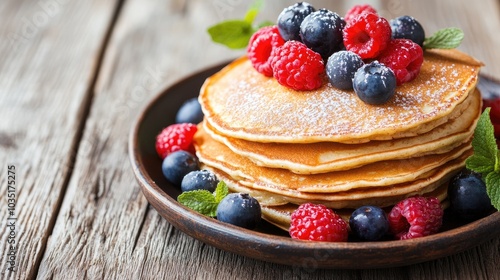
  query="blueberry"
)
[
  {"x": 468, "y": 197},
  {"x": 369, "y": 223},
  {"x": 374, "y": 83},
  {"x": 321, "y": 31},
  {"x": 199, "y": 180},
  {"x": 189, "y": 112},
  {"x": 340, "y": 68},
  {"x": 406, "y": 27},
  {"x": 177, "y": 164},
  {"x": 290, "y": 19},
  {"x": 239, "y": 209}
]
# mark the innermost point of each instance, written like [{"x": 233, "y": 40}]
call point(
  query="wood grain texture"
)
[
  {"x": 105, "y": 228},
  {"x": 49, "y": 53},
  {"x": 104, "y": 210}
]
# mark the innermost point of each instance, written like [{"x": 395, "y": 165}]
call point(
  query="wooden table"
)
[{"x": 74, "y": 75}]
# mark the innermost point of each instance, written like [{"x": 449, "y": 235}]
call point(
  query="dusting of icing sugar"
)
[{"x": 258, "y": 105}]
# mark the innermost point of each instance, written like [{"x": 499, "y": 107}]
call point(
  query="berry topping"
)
[
  {"x": 406, "y": 27},
  {"x": 175, "y": 137},
  {"x": 177, "y": 164},
  {"x": 239, "y": 209},
  {"x": 367, "y": 35},
  {"x": 290, "y": 19},
  {"x": 189, "y": 112},
  {"x": 468, "y": 197},
  {"x": 494, "y": 104},
  {"x": 341, "y": 67},
  {"x": 317, "y": 222},
  {"x": 374, "y": 83},
  {"x": 416, "y": 217},
  {"x": 199, "y": 180},
  {"x": 369, "y": 223},
  {"x": 297, "y": 67},
  {"x": 321, "y": 31},
  {"x": 404, "y": 57},
  {"x": 260, "y": 47},
  {"x": 358, "y": 10}
]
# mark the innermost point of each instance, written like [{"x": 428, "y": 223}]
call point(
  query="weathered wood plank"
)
[
  {"x": 49, "y": 53},
  {"x": 105, "y": 228}
]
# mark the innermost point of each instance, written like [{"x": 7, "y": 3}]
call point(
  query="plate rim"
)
[{"x": 274, "y": 244}]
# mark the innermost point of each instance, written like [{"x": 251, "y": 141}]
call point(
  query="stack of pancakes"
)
[{"x": 286, "y": 147}]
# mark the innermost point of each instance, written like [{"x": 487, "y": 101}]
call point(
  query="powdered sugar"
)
[{"x": 245, "y": 104}]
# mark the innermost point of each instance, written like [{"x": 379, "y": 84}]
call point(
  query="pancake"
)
[
  {"x": 381, "y": 196},
  {"x": 323, "y": 157},
  {"x": 239, "y": 102},
  {"x": 326, "y": 146},
  {"x": 383, "y": 173}
]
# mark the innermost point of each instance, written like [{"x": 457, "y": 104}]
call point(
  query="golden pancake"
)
[
  {"x": 383, "y": 173},
  {"x": 239, "y": 102},
  {"x": 326, "y": 146},
  {"x": 381, "y": 196},
  {"x": 323, "y": 157}
]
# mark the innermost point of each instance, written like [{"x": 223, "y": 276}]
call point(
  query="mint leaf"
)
[
  {"x": 221, "y": 191},
  {"x": 448, "y": 38},
  {"x": 480, "y": 164},
  {"x": 235, "y": 34},
  {"x": 485, "y": 158},
  {"x": 493, "y": 188},
  {"x": 254, "y": 10},
  {"x": 251, "y": 15},
  {"x": 201, "y": 201}
]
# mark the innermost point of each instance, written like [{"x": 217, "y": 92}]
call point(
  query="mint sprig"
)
[
  {"x": 485, "y": 159},
  {"x": 448, "y": 38},
  {"x": 203, "y": 201},
  {"x": 236, "y": 33}
]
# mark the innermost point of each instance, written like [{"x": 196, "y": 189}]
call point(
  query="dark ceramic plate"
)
[{"x": 268, "y": 243}]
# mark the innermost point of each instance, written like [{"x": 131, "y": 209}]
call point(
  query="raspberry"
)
[
  {"x": 176, "y": 137},
  {"x": 260, "y": 47},
  {"x": 318, "y": 223},
  {"x": 358, "y": 10},
  {"x": 298, "y": 67},
  {"x": 415, "y": 217},
  {"x": 367, "y": 35},
  {"x": 404, "y": 57},
  {"x": 494, "y": 104}
]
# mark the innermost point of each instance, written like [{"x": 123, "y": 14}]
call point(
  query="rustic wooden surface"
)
[{"x": 73, "y": 77}]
